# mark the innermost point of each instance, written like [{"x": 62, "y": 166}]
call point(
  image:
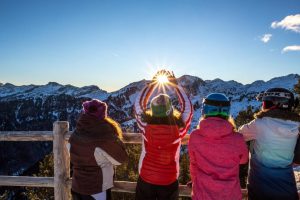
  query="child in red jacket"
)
[
  {"x": 163, "y": 128},
  {"x": 216, "y": 151}
]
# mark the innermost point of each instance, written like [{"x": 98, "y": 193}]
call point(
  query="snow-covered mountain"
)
[
  {"x": 36, "y": 107},
  {"x": 241, "y": 95},
  {"x": 121, "y": 102},
  {"x": 9, "y": 91}
]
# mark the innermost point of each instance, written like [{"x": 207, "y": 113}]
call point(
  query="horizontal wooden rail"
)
[
  {"x": 119, "y": 186},
  {"x": 26, "y": 136},
  {"x": 22, "y": 136},
  {"x": 26, "y": 181},
  {"x": 62, "y": 174},
  {"x": 61, "y": 161}
]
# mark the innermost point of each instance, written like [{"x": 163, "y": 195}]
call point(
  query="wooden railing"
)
[{"x": 61, "y": 182}]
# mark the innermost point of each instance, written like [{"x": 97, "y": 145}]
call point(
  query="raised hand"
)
[
  {"x": 164, "y": 77},
  {"x": 172, "y": 78}
]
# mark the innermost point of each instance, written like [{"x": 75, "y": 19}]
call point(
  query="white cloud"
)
[
  {"x": 291, "y": 22},
  {"x": 291, "y": 48},
  {"x": 266, "y": 38}
]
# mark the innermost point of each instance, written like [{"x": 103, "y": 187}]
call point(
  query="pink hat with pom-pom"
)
[{"x": 95, "y": 108}]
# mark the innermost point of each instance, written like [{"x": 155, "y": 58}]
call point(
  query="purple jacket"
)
[{"x": 215, "y": 154}]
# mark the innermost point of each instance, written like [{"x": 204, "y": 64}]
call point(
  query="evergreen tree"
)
[
  {"x": 5, "y": 195},
  {"x": 46, "y": 169},
  {"x": 245, "y": 116},
  {"x": 184, "y": 175},
  {"x": 128, "y": 171}
]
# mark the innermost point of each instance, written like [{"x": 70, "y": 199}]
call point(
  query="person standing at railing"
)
[
  {"x": 216, "y": 150},
  {"x": 95, "y": 148},
  {"x": 162, "y": 127},
  {"x": 273, "y": 136}
]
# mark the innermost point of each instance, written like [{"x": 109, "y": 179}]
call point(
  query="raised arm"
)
[
  {"x": 186, "y": 110},
  {"x": 102, "y": 158},
  {"x": 141, "y": 104},
  {"x": 113, "y": 150},
  {"x": 249, "y": 131}
]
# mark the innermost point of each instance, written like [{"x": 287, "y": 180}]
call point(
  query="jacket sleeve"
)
[
  {"x": 104, "y": 158},
  {"x": 186, "y": 110},
  {"x": 141, "y": 104},
  {"x": 113, "y": 150},
  {"x": 249, "y": 131}
]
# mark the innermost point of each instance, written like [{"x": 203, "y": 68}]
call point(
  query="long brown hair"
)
[
  {"x": 173, "y": 119},
  {"x": 116, "y": 126},
  {"x": 229, "y": 119}
]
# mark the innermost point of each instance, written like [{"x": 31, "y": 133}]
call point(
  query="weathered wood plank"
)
[
  {"x": 184, "y": 191},
  {"x": 129, "y": 187},
  {"x": 132, "y": 138},
  {"x": 245, "y": 194},
  {"x": 124, "y": 186},
  {"x": 61, "y": 161},
  {"x": 26, "y": 136},
  {"x": 27, "y": 181},
  {"x": 22, "y": 136},
  {"x": 136, "y": 138},
  {"x": 68, "y": 134},
  {"x": 61, "y": 180},
  {"x": 120, "y": 186}
]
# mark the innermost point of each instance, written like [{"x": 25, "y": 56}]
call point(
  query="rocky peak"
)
[{"x": 54, "y": 84}]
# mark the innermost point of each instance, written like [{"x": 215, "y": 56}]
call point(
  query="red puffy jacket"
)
[{"x": 159, "y": 161}]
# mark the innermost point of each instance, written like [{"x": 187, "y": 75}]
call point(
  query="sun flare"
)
[{"x": 162, "y": 79}]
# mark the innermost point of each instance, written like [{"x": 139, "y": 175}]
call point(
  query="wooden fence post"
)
[{"x": 61, "y": 161}]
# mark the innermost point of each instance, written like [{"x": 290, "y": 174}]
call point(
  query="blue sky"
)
[{"x": 111, "y": 43}]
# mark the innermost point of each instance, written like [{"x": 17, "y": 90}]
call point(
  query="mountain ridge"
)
[
  {"x": 9, "y": 90},
  {"x": 121, "y": 101},
  {"x": 35, "y": 108}
]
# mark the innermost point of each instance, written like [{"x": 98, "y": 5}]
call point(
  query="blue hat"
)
[{"x": 215, "y": 104}]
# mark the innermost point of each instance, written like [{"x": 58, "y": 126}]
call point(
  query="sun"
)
[{"x": 162, "y": 79}]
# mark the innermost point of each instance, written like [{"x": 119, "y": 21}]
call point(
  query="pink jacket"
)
[{"x": 215, "y": 154}]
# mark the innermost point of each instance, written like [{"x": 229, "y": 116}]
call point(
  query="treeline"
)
[{"x": 129, "y": 171}]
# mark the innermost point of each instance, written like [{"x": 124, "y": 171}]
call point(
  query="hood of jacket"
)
[
  {"x": 215, "y": 127},
  {"x": 90, "y": 128}
]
